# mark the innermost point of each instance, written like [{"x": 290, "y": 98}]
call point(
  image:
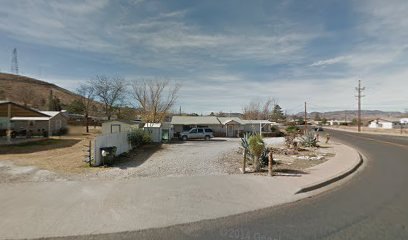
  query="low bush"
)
[
  {"x": 139, "y": 137},
  {"x": 292, "y": 129}
]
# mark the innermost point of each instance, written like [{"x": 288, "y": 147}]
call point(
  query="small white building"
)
[
  {"x": 154, "y": 130},
  {"x": 159, "y": 132},
  {"x": 338, "y": 122},
  {"x": 381, "y": 123},
  {"x": 404, "y": 121}
]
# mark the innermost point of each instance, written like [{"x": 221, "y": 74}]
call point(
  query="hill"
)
[
  {"x": 365, "y": 114},
  {"x": 32, "y": 92}
]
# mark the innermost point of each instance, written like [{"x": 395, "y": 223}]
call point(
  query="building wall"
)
[
  {"x": 57, "y": 123},
  {"x": 35, "y": 126},
  {"x": 118, "y": 140},
  {"x": 155, "y": 133}
]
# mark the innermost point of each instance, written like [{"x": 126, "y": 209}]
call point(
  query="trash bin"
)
[{"x": 107, "y": 155}]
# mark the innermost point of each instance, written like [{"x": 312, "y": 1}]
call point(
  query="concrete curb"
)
[{"x": 333, "y": 179}]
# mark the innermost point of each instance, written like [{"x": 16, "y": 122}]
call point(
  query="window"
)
[
  {"x": 200, "y": 130},
  {"x": 194, "y": 130},
  {"x": 208, "y": 130}
]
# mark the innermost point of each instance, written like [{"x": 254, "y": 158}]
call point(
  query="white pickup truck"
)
[{"x": 197, "y": 133}]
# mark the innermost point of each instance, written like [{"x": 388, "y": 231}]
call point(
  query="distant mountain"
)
[
  {"x": 350, "y": 114},
  {"x": 30, "y": 91}
]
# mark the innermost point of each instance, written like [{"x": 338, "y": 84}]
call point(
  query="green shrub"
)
[
  {"x": 138, "y": 137},
  {"x": 292, "y": 129}
]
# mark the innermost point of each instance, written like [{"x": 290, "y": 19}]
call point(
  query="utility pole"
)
[
  {"x": 359, "y": 96},
  {"x": 14, "y": 62},
  {"x": 305, "y": 119}
]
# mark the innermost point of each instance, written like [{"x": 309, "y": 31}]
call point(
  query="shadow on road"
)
[{"x": 137, "y": 156}]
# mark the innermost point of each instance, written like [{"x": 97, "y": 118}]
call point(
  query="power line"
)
[
  {"x": 305, "y": 118},
  {"x": 359, "y": 96}
]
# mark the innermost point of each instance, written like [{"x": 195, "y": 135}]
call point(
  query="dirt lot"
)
[{"x": 46, "y": 159}]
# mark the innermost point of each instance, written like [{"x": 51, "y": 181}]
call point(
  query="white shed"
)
[{"x": 154, "y": 129}]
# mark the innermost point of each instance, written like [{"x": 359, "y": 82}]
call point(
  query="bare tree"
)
[
  {"x": 155, "y": 98},
  {"x": 110, "y": 91},
  {"x": 258, "y": 109},
  {"x": 26, "y": 95},
  {"x": 87, "y": 93}
]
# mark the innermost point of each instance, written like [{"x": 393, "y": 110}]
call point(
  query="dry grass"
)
[
  {"x": 58, "y": 154},
  {"x": 286, "y": 163}
]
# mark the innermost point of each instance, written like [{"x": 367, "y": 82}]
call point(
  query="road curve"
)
[{"x": 372, "y": 205}]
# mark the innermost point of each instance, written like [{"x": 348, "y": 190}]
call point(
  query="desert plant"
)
[
  {"x": 292, "y": 129},
  {"x": 245, "y": 146},
  {"x": 290, "y": 139},
  {"x": 309, "y": 139},
  {"x": 138, "y": 137},
  {"x": 256, "y": 148}
]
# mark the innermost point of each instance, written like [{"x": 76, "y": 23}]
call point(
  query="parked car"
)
[
  {"x": 197, "y": 133},
  {"x": 318, "y": 129}
]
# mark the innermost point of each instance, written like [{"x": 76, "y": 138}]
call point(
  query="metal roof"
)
[
  {"x": 257, "y": 122},
  {"x": 30, "y": 118},
  {"x": 225, "y": 120},
  {"x": 194, "y": 120},
  {"x": 207, "y": 120},
  {"x": 50, "y": 113}
]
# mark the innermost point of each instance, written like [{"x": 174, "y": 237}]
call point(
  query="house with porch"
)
[
  {"x": 382, "y": 123},
  {"x": 19, "y": 120},
  {"x": 221, "y": 126}
]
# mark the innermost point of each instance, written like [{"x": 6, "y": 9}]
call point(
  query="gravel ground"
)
[
  {"x": 189, "y": 158},
  {"x": 220, "y": 156},
  {"x": 9, "y": 172}
]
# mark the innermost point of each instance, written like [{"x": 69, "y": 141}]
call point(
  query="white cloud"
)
[{"x": 340, "y": 59}]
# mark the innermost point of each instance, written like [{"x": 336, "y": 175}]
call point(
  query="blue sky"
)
[{"x": 225, "y": 53}]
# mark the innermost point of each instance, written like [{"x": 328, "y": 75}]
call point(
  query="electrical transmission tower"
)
[
  {"x": 14, "y": 62},
  {"x": 359, "y": 96}
]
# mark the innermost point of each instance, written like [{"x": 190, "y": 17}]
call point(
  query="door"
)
[
  {"x": 200, "y": 133},
  {"x": 230, "y": 130}
]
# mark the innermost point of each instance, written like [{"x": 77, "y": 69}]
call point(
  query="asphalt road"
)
[{"x": 372, "y": 205}]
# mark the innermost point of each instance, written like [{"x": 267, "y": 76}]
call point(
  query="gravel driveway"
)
[
  {"x": 188, "y": 158},
  {"x": 219, "y": 156}
]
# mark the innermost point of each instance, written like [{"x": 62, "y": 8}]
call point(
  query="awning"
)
[{"x": 30, "y": 119}]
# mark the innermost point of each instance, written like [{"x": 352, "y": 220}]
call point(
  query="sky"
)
[{"x": 224, "y": 53}]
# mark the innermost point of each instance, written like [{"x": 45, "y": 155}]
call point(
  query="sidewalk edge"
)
[{"x": 331, "y": 180}]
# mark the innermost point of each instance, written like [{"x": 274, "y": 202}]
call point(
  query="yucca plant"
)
[
  {"x": 309, "y": 140},
  {"x": 245, "y": 146},
  {"x": 256, "y": 148}
]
